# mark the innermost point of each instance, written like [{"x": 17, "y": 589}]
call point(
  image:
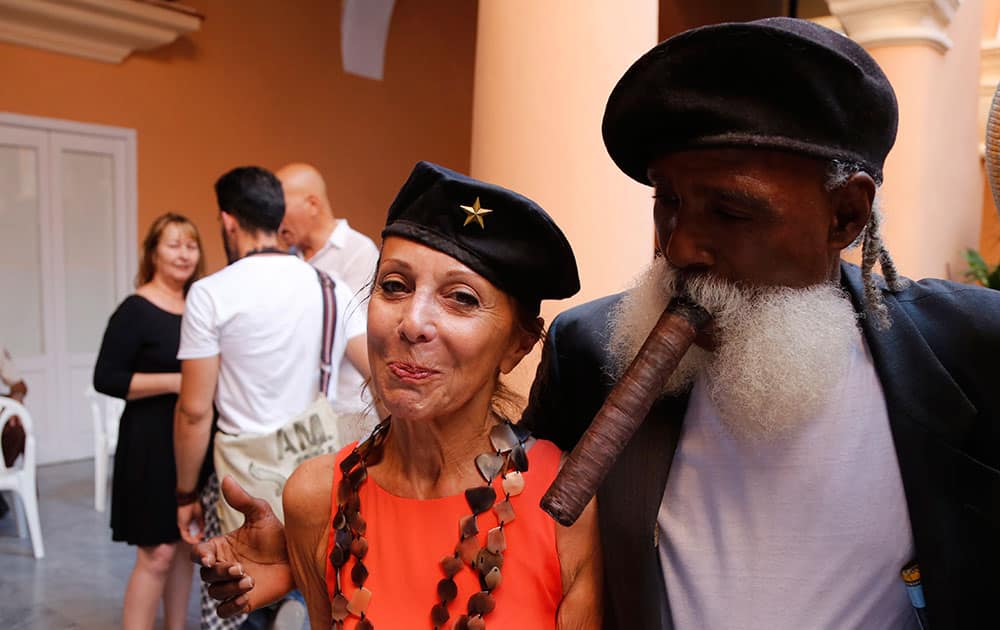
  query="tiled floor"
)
[{"x": 81, "y": 581}]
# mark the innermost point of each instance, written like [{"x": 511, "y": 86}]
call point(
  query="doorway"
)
[{"x": 67, "y": 257}]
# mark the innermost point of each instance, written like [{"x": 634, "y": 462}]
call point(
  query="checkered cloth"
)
[{"x": 209, "y": 498}]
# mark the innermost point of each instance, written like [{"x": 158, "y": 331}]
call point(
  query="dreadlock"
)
[{"x": 873, "y": 248}]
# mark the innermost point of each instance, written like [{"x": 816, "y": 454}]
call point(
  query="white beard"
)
[{"x": 780, "y": 352}]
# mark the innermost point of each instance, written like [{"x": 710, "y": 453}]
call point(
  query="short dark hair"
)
[{"x": 253, "y": 195}]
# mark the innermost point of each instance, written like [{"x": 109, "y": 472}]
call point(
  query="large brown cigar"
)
[{"x": 624, "y": 410}]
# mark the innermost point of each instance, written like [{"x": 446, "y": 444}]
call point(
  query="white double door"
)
[{"x": 67, "y": 254}]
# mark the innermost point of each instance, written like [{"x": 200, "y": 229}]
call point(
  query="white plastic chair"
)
[
  {"x": 20, "y": 478},
  {"x": 106, "y": 412}
]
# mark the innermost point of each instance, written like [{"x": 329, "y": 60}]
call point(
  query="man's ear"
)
[
  {"x": 852, "y": 208},
  {"x": 315, "y": 207},
  {"x": 228, "y": 221}
]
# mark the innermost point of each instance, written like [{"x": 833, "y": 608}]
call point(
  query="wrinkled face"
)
[
  {"x": 752, "y": 216},
  {"x": 296, "y": 223},
  {"x": 439, "y": 334},
  {"x": 177, "y": 253}
]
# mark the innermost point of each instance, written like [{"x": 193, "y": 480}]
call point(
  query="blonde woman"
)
[{"x": 138, "y": 363}]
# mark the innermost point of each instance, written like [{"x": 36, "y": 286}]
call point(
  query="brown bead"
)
[
  {"x": 439, "y": 615},
  {"x": 504, "y": 511},
  {"x": 359, "y": 573},
  {"x": 357, "y": 477},
  {"x": 482, "y": 603},
  {"x": 338, "y": 556},
  {"x": 344, "y": 490},
  {"x": 480, "y": 498},
  {"x": 489, "y": 465},
  {"x": 364, "y": 624},
  {"x": 339, "y": 520},
  {"x": 492, "y": 579},
  {"x": 502, "y": 437},
  {"x": 513, "y": 483},
  {"x": 350, "y": 462},
  {"x": 476, "y": 623},
  {"x": 496, "y": 541},
  {"x": 359, "y": 547},
  {"x": 523, "y": 435},
  {"x": 353, "y": 505},
  {"x": 462, "y": 623},
  {"x": 467, "y": 548},
  {"x": 359, "y": 601},
  {"x": 519, "y": 459},
  {"x": 447, "y": 589},
  {"x": 467, "y": 527},
  {"x": 486, "y": 560},
  {"x": 451, "y": 565},
  {"x": 338, "y": 607},
  {"x": 358, "y": 524}
]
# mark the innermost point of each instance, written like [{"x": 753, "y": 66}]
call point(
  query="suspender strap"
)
[{"x": 329, "y": 325}]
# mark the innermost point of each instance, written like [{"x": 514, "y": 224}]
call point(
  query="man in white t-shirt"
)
[
  {"x": 252, "y": 334},
  {"x": 329, "y": 244}
]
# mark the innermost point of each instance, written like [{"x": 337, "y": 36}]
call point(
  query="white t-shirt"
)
[
  {"x": 350, "y": 255},
  {"x": 264, "y": 316},
  {"x": 809, "y": 532}
]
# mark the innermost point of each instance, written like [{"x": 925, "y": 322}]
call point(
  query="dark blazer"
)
[{"x": 939, "y": 365}]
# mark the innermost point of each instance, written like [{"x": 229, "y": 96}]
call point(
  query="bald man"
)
[{"x": 329, "y": 244}]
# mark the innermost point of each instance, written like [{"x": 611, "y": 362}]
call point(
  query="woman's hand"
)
[
  {"x": 246, "y": 568},
  {"x": 190, "y": 517}
]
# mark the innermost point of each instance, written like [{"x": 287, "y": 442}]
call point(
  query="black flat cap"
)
[
  {"x": 779, "y": 83},
  {"x": 501, "y": 235}
]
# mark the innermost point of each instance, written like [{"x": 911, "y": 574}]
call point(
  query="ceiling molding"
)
[
  {"x": 897, "y": 22},
  {"x": 103, "y": 30}
]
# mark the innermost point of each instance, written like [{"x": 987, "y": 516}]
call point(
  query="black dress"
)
[{"x": 142, "y": 337}]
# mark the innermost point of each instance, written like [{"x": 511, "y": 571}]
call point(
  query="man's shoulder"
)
[
  {"x": 357, "y": 239},
  {"x": 589, "y": 312},
  {"x": 950, "y": 306},
  {"x": 586, "y": 321}
]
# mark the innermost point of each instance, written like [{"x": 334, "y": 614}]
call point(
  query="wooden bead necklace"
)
[{"x": 508, "y": 459}]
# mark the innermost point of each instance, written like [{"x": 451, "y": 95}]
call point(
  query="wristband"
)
[{"x": 185, "y": 498}]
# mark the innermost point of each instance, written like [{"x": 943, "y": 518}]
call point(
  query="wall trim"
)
[
  {"x": 897, "y": 22},
  {"x": 102, "y": 30}
]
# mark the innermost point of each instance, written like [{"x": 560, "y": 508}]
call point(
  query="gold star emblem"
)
[{"x": 475, "y": 213}]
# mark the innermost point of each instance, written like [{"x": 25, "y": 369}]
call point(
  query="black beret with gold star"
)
[
  {"x": 501, "y": 235},
  {"x": 778, "y": 83}
]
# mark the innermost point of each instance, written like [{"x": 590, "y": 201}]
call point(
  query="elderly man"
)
[
  {"x": 831, "y": 427},
  {"x": 331, "y": 245}
]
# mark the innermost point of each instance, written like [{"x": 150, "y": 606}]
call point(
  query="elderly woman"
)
[{"x": 433, "y": 521}]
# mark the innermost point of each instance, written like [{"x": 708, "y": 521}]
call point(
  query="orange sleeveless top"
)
[{"x": 408, "y": 537}]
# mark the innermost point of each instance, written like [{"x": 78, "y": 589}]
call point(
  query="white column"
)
[
  {"x": 544, "y": 71},
  {"x": 932, "y": 195}
]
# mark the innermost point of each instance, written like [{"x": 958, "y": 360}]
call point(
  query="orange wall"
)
[
  {"x": 261, "y": 82},
  {"x": 679, "y": 15}
]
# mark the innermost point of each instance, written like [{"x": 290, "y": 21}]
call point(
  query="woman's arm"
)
[
  {"x": 114, "y": 373},
  {"x": 579, "y": 548},
  {"x": 307, "y": 503},
  {"x": 144, "y": 384}
]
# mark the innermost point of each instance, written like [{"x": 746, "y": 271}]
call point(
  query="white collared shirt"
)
[{"x": 350, "y": 258}]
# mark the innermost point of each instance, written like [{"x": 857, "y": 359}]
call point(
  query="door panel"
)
[{"x": 67, "y": 243}]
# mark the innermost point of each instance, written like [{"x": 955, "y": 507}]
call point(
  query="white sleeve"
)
[
  {"x": 199, "y": 328},
  {"x": 352, "y": 312},
  {"x": 360, "y": 270}
]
